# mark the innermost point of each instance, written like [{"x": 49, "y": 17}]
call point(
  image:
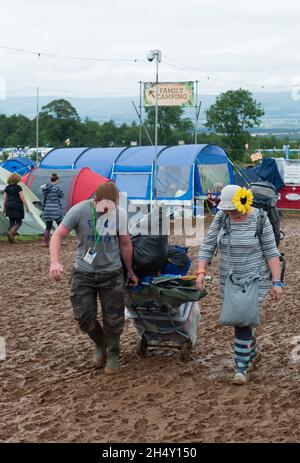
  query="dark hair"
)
[{"x": 54, "y": 177}]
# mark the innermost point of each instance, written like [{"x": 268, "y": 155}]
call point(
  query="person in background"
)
[
  {"x": 13, "y": 205},
  {"x": 52, "y": 205},
  {"x": 247, "y": 254},
  {"x": 214, "y": 197},
  {"x": 98, "y": 270}
]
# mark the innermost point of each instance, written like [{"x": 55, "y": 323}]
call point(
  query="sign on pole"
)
[
  {"x": 169, "y": 93},
  {"x": 292, "y": 173}
]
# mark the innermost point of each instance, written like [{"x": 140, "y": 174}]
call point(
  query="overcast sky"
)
[{"x": 245, "y": 42}]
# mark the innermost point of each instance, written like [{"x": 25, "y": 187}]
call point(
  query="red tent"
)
[{"x": 77, "y": 184}]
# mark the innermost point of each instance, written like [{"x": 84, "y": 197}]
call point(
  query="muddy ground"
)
[{"x": 51, "y": 393}]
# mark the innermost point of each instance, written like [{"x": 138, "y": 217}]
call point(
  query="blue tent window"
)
[
  {"x": 135, "y": 185},
  {"x": 213, "y": 176},
  {"x": 172, "y": 181}
]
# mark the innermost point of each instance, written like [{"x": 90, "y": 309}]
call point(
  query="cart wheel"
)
[
  {"x": 186, "y": 351},
  {"x": 141, "y": 347}
]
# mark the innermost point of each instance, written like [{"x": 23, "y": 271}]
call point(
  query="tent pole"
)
[{"x": 238, "y": 170}]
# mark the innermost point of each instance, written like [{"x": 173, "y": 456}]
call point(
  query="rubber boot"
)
[
  {"x": 10, "y": 236},
  {"x": 113, "y": 352},
  {"x": 242, "y": 353},
  {"x": 12, "y": 233},
  {"x": 47, "y": 237},
  {"x": 98, "y": 336}
]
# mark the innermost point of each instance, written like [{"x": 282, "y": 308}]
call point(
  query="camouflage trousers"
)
[{"x": 86, "y": 287}]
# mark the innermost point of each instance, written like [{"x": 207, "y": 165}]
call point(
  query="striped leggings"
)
[{"x": 245, "y": 348}]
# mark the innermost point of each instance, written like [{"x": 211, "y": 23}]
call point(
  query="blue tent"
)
[
  {"x": 189, "y": 171},
  {"x": 100, "y": 160},
  {"x": 20, "y": 165},
  {"x": 246, "y": 176},
  {"x": 183, "y": 172},
  {"x": 267, "y": 170},
  {"x": 133, "y": 171},
  {"x": 61, "y": 158}
]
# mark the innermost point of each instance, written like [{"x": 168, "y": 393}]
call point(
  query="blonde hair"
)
[
  {"x": 108, "y": 191},
  {"x": 14, "y": 179}
]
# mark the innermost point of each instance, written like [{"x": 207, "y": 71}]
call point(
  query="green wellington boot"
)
[
  {"x": 113, "y": 351},
  {"x": 98, "y": 336},
  {"x": 100, "y": 356}
]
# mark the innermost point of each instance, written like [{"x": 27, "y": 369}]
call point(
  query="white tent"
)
[{"x": 32, "y": 223}]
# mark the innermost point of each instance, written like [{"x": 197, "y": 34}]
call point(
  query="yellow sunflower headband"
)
[{"x": 242, "y": 200}]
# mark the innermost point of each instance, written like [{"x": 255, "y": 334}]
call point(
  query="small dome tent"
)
[
  {"x": 20, "y": 165},
  {"x": 77, "y": 184},
  {"x": 267, "y": 170},
  {"x": 32, "y": 223}
]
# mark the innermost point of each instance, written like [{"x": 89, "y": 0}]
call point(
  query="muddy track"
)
[{"x": 50, "y": 392}]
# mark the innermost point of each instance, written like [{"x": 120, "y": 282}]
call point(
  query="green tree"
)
[
  {"x": 232, "y": 114},
  {"x": 59, "y": 121},
  {"x": 107, "y": 133},
  {"x": 170, "y": 123},
  {"x": 15, "y": 131},
  {"x": 61, "y": 109}
]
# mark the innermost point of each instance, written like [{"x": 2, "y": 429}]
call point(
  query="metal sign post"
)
[
  {"x": 37, "y": 125},
  {"x": 155, "y": 54},
  {"x": 197, "y": 113},
  {"x": 140, "y": 115},
  {"x": 158, "y": 60}
]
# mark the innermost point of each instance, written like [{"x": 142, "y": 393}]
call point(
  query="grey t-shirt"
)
[{"x": 79, "y": 218}]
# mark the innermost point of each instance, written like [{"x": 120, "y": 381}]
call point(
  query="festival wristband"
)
[
  {"x": 279, "y": 284},
  {"x": 202, "y": 272}
]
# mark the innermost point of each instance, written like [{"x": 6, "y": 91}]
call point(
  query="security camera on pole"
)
[{"x": 155, "y": 54}]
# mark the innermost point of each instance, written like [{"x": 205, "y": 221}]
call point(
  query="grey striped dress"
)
[
  {"x": 246, "y": 251},
  {"x": 52, "y": 204}
]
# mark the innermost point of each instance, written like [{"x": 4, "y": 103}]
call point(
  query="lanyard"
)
[{"x": 97, "y": 237}]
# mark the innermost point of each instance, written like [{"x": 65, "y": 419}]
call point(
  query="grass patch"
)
[{"x": 23, "y": 238}]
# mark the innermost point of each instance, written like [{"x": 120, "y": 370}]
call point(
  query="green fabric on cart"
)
[{"x": 164, "y": 292}]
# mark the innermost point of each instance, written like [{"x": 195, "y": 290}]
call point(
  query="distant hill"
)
[{"x": 282, "y": 112}]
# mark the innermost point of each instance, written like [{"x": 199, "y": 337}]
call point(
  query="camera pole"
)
[{"x": 157, "y": 54}]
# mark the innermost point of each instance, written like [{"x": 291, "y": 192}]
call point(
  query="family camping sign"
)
[{"x": 169, "y": 93}]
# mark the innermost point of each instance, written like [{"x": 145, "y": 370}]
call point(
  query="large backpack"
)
[{"x": 265, "y": 199}]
